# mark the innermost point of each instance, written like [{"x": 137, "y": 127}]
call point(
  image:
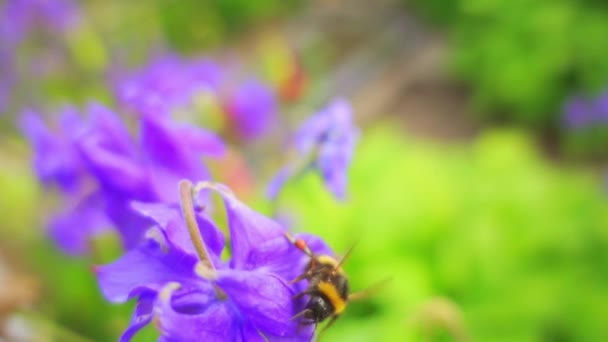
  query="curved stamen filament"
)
[{"x": 186, "y": 194}]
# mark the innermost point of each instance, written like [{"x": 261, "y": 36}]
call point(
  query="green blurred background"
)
[{"x": 489, "y": 216}]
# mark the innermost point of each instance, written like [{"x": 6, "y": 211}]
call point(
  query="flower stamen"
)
[
  {"x": 204, "y": 267},
  {"x": 186, "y": 194}
]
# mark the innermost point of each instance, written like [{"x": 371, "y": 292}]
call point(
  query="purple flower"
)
[
  {"x": 577, "y": 113},
  {"x": 325, "y": 142},
  {"x": 19, "y": 17},
  {"x": 252, "y": 109},
  {"x": 56, "y": 163},
  {"x": 580, "y": 112},
  {"x": 601, "y": 107},
  {"x": 165, "y": 84},
  {"x": 81, "y": 219},
  {"x": 99, "y": 167},
  {"x": 170, "y": 83},
  {"x": 247, "y": 298}
]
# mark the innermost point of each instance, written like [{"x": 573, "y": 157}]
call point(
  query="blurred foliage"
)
[
  {"x": 489, "y": 242},
  {"x": 588, "y": 142},
  {"x": 182, "y": 19},
  {"x": 523, "y": 57}
]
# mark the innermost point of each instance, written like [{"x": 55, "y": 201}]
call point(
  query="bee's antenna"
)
[
  {"x": 300, "y": 244},
  {"x": 345, "y": 257}
]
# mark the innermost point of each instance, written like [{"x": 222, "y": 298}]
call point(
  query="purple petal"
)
[
  {"x": 248, "y": 229},
  {"x": 131, "y": 224},
  {"x": 311, "y": 131},
  {"x": 264, "y": 298},
  {"x": 171, "y": 221},
  {"x": 202, "y": 141},
  {"x": 141, "y": 317},
  {"x": 271, "y": 256},
  {"x": 73, "y": 230},
  {"x": 161, "y": 214},
  {"x": 205, "y": 72},
  {"x": 165, "y": 83},
  {"x": 333, "y": 161},
  {"x": 170, "y": 156},
  {"x": 163, "y": 179},
  {"x": 329, "y": 137},
  {"x": 252, "y": 109},
  {"x": 115, "y": 171},
  {"x": 107, "y": 124},
  {"x": 216, "y": 321},
  {"x": 163, "y": 145},
  {"x": 55, "y": 160},
  {"x": 278, "y": 182},
  {"x": 110, "y": 153},
  {"x": 146, "y": 268}
]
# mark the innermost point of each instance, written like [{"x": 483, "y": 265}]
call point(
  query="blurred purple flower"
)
[
  {"x": 252, "y": 109},
  {"x": 171, "y": 83},
  {"x": 248, "y": 298},
  {"x": 166, "y": 83},
  {"x": 601, "y": 107},
  {"x": 56, "y": 162},
  {"x": 19, "y": 17},
  {"x": 580, "y": 113},
  {"x": 99, "y": 168},
  {"x": 577, "y": 113},
  {"x": 325, "y": 142}
]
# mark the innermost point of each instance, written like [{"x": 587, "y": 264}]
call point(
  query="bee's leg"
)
[
  {"x": 300, "y": 277},
  {"x": 300, "y": 314},
  {"x": 314, "y": 333},
  {"x": 331, "y": 321},
  {"x": 301, "y": 294},
  {"x": 305, "y": 323}
]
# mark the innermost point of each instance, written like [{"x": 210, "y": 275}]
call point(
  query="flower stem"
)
[{"x": 186, "y": 193}]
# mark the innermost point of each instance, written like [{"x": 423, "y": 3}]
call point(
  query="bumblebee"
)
[{"x": 327, "y": 290}]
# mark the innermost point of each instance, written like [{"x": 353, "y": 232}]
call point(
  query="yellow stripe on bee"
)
[
  {"x": 330, "y": 291},
  {"x": 327, "y": 260}
]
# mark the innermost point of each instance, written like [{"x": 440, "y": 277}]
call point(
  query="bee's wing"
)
[{"x": 365, "y": 293}]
